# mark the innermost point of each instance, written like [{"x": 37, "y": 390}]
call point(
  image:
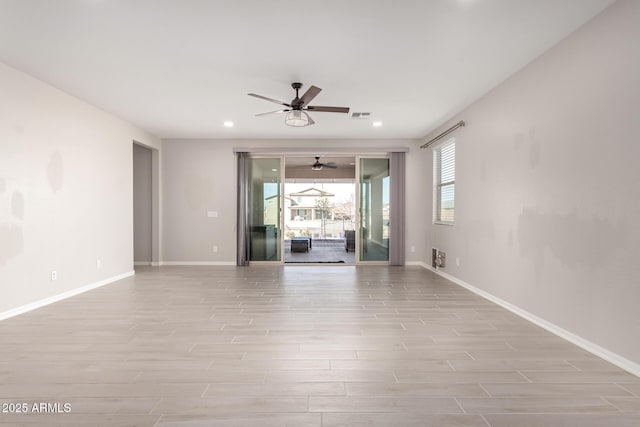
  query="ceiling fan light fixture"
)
[
  {"x": 297, "y": 118},
  {"x": 316, "y": 167}
]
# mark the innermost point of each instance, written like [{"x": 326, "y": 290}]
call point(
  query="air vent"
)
[
  {"x": 438, "y": 258},
  {"x": 359, "y": 115}
]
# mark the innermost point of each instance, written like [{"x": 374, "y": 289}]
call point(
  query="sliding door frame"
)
[
  {"x": 280, "y": 157},
  {"x": 358, "y": 153}
]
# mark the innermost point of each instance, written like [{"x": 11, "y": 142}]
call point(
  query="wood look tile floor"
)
[{"x": 300, "y": 346}]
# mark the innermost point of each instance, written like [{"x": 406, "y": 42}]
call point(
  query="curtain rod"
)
[{"x": 443, "y": 134}]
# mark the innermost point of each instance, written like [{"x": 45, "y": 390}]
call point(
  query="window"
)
[
  {"x": 300, "y": 214},
  {"x": 444, "y": 162}
]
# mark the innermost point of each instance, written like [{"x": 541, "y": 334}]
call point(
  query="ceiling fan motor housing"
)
[{"x": 296, "y": 104}]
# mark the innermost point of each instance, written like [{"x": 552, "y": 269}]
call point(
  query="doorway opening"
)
[
  {"x": 146, "y": 248},
  {"x": 319, "y": 222},
  {"x": 293, "y": 210},
  {"x": 319, "y": 210}
]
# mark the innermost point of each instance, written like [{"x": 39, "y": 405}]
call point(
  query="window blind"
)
[{"x": 445, "y": 171}]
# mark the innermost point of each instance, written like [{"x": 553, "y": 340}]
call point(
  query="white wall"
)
[
  {"x": 200, "y": 176},
  {"x": 142, "y": 204},
  {"x": 548, "y": 186},
  {"x": 65, "y": 191}
]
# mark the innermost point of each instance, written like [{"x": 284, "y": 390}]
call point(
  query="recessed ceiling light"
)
[
  {"x": 377, "y": 124},
  {"x": 228, "y": 124},
  {"x": 274, "y": 170}
]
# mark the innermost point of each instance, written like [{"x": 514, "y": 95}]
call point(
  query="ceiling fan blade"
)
[
  {"x": 330, "y": 165},
  {"x": 272, "y": 112},
  {"x": 269, "y": 99},
  {"x": 308, "y": 96},
  {"x": 328, "y": 109}
]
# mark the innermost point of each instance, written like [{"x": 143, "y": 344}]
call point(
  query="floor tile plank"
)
[{"x": 300, "y": 346}]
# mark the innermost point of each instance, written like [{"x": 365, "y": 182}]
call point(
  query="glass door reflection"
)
[
  {"x": 264, "y": 210},
  {"x": 374, "y": 209}
]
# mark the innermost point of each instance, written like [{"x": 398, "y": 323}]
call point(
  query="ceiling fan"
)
[
  {"x": 297, "y": 109},
  {"x": 317, "y": 166}
]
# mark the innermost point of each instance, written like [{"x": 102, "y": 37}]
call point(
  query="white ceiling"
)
[{"x": 179, "y": 68}]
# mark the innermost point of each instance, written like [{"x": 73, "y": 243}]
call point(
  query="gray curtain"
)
[
  {"x": 242, "y": 212},
  {"x": 397, "y": 207}
]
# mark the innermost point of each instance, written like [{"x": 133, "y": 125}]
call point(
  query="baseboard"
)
[
  {"x": 50, "y": 300},
  {"x": 142, "y": 263},
  {"x": 186, "y": 263},
  {"x": 417, "y": 263},
  {"x": 609, "y": 356}
]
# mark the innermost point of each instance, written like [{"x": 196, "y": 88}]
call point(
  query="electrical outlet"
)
[
  {"x": 215, "y": 249},
  {"x": 412, "y": 249},
  {"x": 99, "y": 264},
  {"x": 54, "y": 275},
  {"x": 212, "y": 214},
  {"x": 457, "y": 262}
]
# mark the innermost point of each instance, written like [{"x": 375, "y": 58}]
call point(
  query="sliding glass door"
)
[
  {"x": 260, "y": 209},
  {"x": 374, "y": 189},
  {"x": 264, "y": 219}
]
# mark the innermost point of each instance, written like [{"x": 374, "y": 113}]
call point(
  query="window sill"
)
[{"x": 450, "y": 224}]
